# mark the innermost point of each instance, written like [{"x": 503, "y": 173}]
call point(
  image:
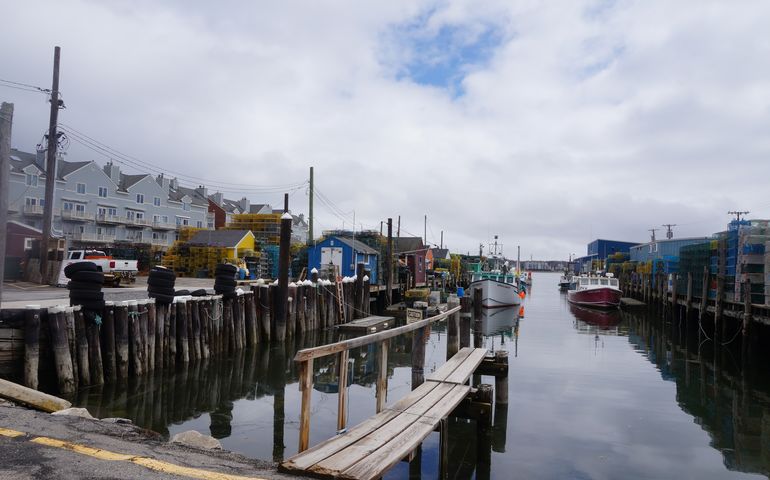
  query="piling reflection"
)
[{"x": 730, "y": 402}]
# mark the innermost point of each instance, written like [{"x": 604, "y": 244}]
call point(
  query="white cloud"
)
[{"x": 589, "y": 119}]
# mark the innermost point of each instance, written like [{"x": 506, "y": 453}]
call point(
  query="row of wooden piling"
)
[{"x": 136, "y": 337}]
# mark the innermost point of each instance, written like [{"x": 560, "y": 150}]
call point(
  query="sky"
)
[{"x": 547, "y": 123}]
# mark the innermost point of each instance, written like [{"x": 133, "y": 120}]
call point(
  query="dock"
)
[{"x": 370, "y": 324}]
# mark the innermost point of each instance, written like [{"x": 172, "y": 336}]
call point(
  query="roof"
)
[
  {"x": 65, "y": 167},
  {"x": 357, "y": 246},
  {"x": 259, "y": 206},
  {"x": 407, "y": 244},
  {"x": 231, "y": 206},
  {"x": 179, "y": 193},
  {"x": 25, "y": 226},
  {"x": 128, "y": 181},
  {"x": 440, "y": 252},
  {"x": 21, "y": 160},
  {"x": 219, "y": 238}
]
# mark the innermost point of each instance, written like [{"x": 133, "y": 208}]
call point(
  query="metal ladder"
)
[{"x": 340, "y": 295}]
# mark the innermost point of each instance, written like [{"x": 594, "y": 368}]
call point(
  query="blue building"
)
[
  {"x": 662, "y": 249},
  {"x": 599, "y": 250},
  {"x": 344, "y": 253}
]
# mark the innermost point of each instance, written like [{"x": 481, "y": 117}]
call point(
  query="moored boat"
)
[
  {"x": 498, "y": 284},
  {"x": 596, "y": 292},
  {"x": 565, "y": 281}
]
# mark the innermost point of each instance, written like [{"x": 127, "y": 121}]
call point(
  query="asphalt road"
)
[
  {"x": 38, "y": 445},
  {"x": 19, "y": 294}
]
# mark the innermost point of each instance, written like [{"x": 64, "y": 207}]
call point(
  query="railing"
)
[
  {"x": 138, "y": 222},
  {"x": 137, "y": 239},
  {"x": 163, "y": 226},
  {"x": 32, "y": 210},
  {"x": 76, "y": 215},
  {"x": 107, "y": 218},
  {"x": 305, "y": 359},
  {"x": 159, "y": 242},
  {"x": 93, "y": 237}
]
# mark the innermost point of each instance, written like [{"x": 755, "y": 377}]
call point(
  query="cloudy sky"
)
[{"x": 548, "y": 123}]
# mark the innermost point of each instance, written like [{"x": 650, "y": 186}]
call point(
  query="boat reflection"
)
[
  {"x": 589, "y": 320},
  {"x": 498, "y": 320}
]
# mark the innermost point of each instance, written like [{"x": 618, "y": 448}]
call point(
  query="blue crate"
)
[{"x": 754, "y": 249}]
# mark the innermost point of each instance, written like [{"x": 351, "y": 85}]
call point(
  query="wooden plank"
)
[
  {"x": 331, "y": 348},
  {"x": 447, "y": 368},
  {"x": 466, "y": 369},
  {"x": 342, "y": 394},
  {"x": 382, "y": 376},
  {"x": 386, "y": 454},
  {"x": 360, "y": 450},
  {"x": 306, "y": 387}
]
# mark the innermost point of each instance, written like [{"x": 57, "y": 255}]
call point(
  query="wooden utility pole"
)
[
  {"x": 50, "y": 168},
  {"x": 6, "y": 120},
  {"x": 389, "y": 264},
  {"x": 281, "y": 304},
  {"x": 310, "y": 212},
  {"x": 398, "y": 229},
  {"x": 425, "y": 231}
]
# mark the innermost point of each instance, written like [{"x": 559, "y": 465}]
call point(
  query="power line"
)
[{"x": 24, "y": 86}]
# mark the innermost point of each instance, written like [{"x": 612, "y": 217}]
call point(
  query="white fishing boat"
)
[{"x": 498, "y": 283}]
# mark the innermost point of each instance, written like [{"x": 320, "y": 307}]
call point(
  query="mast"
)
[{"x": 518, "y": 259}]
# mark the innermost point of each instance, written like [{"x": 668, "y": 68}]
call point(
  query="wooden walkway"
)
[{"x": 371, "y": 448}]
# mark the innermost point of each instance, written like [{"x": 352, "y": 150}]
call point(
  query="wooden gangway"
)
[{"x": 369, "y": 449}]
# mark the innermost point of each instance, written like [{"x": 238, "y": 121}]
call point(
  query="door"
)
[{"x": 331, "y": 255}]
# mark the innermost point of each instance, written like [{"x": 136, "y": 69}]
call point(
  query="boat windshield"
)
[
  {"x": 594, "y": 281},
  {"x": 614, "y": 282},
  {"x": 584, "y": 281},
  {"x": 604, "y": 281}
]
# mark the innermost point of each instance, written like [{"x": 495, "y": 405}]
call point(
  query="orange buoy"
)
[
  {"x": 522, "y": 294},
  {"x": 521, "y": 312}
]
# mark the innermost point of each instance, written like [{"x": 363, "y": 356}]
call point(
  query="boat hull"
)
[
  {"x": 596, "y": 297},
  {"x": 496, "y": 294}
]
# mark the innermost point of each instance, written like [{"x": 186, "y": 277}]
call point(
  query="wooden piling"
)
[
  {"x": 57, "y": 324},
  {"x": 228, "y": 343},
  {"x": 143, "y": 334},
  {"x": 419, "y": 337},
  {"x": 477, "y": 302},
  {"x": 674, "y": 298},
  {"x": 746, "y": 325},
  {"x": 465, "y": 322},
  {"x": 152, "y": 318},
  {"x": 342, "y": 396},
  {"x": 718, "y": 308},
  {"x": 688, "y": 298},
  {"x": 95, "y": 352},
  {"x": 250, "y": 319},
  {"x": 183, "y": 346},
  {"x": 107, "y": 335},
  {"x": 84, "y": 373},
  {"x": 453, "y": 329},
  {"x": 196, "y": 328},
  {"x": 161, "y": 310},
  {"x": 69, "y": 319},
  {"x": 135, "y": 339},
  {"x": 501, "y": 381},
  {"x": 121, "y": 339},
  {"x": 171, "y": 345},
  {"x": 704, "y": 293},
  {"x": 382, "y": 376},
  {"x": 31, "y": 345},
  {"x": 264, "y": 312}
]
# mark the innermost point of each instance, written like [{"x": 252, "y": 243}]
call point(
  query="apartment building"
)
[{"x": 102, "y": 205}]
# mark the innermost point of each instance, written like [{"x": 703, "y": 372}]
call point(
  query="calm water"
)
[{"x": 590, "y": 396}]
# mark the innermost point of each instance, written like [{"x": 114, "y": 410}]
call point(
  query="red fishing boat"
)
[{"x": 595, "y": 291}]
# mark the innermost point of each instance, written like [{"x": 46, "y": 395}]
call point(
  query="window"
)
[
  {"x": 75, "y": 256},
  {"x": 80, "y": 208},
  {"x": 130, "y": 214},
  {"x": 419, "y": 264},
  {"x": 101, "y": 211},
  {"x": 156, "y": 201},
  {"x": 156, "y": 219},
  {"x": 139, "y": 198},
  {"x": 112, "y": 211},
  {"x": 186, "y": 207},
  {"x": 139, "y": 215},
  {"x": 182, "y": 222},
  {"x": 199, "y": 224},
  {"x": 30, "y": 202},
  {"x": 28, "y": 243},
  {"x": 41, "y": 202},
  {"x": 165, "y": 218},
  {"x": 67, "y": 206},
  {"x": 594, "y": 281},
  {"x": 159, "y": 236},
  {"x": 80, "y": 188},
  {"x": 31, "y": 180}
]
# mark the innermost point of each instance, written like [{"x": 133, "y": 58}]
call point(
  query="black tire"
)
[
  {"x": 161, "y": 291},
  {"x": 223, "y": 291},
  {"x": 160, "y": 272},
  {"x": 181, "y": 293},
  {"x": 225, "y": 268},
  {"x": 79, "y": 267},
  {"x": 86, "y": 295},
  {"x": 91, "y": 277},
  {"x": 91, "y": 286},
  {"x": 201, "y": 292},
  {"x": 160, "y": 298},
  {"x": 160, "y": 282},
  {"x": 225, "y": 281}
]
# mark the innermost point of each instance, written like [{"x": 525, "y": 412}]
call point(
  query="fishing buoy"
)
[
  {"x": 522, "y": 294},
  {"x": 521, "y": 312}
]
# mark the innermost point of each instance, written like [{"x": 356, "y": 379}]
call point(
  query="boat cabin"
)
[{"x": 598, "y": 281}]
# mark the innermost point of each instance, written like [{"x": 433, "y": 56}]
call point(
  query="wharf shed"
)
[
  {"x": 345, "y": 253},
  {"x": 598, "y": 251},
  {"x": 417, "y": 256},
  {"x": 235, "y": 242}
]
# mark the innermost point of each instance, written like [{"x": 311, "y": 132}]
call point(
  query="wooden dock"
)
[{"x": 371, "y": 324}]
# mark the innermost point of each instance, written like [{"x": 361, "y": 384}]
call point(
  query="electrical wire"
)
[{"x": 26, "y": 85}]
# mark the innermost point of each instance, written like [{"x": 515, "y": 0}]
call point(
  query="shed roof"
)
[
  {"x": 407, "y": 244},
  {"x": 357, "y": 246},
  {"x": 440, "y": 252},
  {"x": 219, "y": 238},
  {"x": 196, "y": 198}
]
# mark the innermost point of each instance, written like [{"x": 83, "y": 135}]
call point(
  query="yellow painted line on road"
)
[
  {"x": 11, "y": 433},
  {"x": 152, "y": 464}
]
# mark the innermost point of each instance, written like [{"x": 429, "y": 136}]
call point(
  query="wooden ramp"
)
[{"x": 372, "y": 447}]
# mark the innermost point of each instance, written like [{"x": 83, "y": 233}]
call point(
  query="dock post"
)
[
  {"x": 251, "y": 319},
  {"x": 342, "y": 395},
  {"x": 264, "y": 312},
  {"x": 704, "y": 294},
  {"x": 501, "y": 381},
  {"x": 382, "y": 375},
  {"x": 172, "y": 343},
  {"x": 477, "y": 301},
  {"x": 121, "y": 340},
  {"x": 61, "y": 353},
  {"x": 465, "y": 322},
  {"x": 718, "y": 310},
  {"x": 94, "y": 351},
  {"x": 306, "y": 387},
  {"x": 419, "y": 337},
  {"x": 746, "y": 327},
  {"x": 31, "y": 345},
  {"x": 281, "y": 302},
  {"x": 69, "y": 320},
  {"x": 453, "y": 330},
  {"x": 688, "y": 299},
  {"x": 674, "y": 299},
  {"x": 135, "y": 337},
  {"x": 152, "y": 318},
  {"x": 389, "y": 264},
  {"x": 84, "y": 372}
]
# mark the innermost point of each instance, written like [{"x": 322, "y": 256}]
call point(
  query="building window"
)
[
  {"x": 31, "y": 180},
  {"x": 112, "y": 211},
  {"x": 165, "y": 218},
  {"x": 67, "y": 206},
  {"x": 182, "y": 222},
  {"x": 80, "y": 188},
  {"x": 139, "y": 198},
  {"x": 28, "y": 243},
  {"x": 419, "y": 264},
  {"x": 103, "y": 192},
  {"x": 156, "y": 201},
  {"x": 186, "y": 207},
  {"x": 30, "y": 202},
  {"x": 139, "y": 215},
  {"x": 80, "y": 208},
  {"x": 41, "y": 202},
  {"x": 101, "y": 211},
  {"x": 199, "y": 224}
]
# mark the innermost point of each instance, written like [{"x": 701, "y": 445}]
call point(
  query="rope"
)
[{"x": 734, "y": 337}]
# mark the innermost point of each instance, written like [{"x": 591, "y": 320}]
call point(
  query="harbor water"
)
[{"x": 591, "y": 395}]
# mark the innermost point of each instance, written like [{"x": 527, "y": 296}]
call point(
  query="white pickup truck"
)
[{"x": 115, "y": 270}]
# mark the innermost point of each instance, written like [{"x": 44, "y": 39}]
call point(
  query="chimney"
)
[
  {"x": 163, "y": 182},
  {"x": 217, "y": 198},
  {"x": 203, "y": 191},
  {"x": 244, "y": 204},
  {"x": 174, "y": 183},
  {"x": 112, "y": 171}
]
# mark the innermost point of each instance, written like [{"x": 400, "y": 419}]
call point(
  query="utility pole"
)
[
  {"x": 425, "y": 231},
  {"x": 310, "y": 212},
  {"x": 50, "y": 169},
  {"x": 398, "y": 230},
  {"x": 441, "y": 246},
  {"x": 6, "y": 121},
  {"x": 669, "y": 233},
  {"x": 738, "y": 214},
  {"x": 389, "y": 264},
  {"x": 653, "y": 230}
]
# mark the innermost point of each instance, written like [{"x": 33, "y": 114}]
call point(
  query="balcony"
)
[
  {"x": 76, "y": 216},
  {"x": 137, "y": 239},
  {"x": 137, "y": 222},
  {"x": 109, "y": 219},
  {"x": 163, "y": 226},
  {"x": 93, "y": 237},
  {"x": 159, "y": 242},
  {"x": 32, "y": 210}
]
